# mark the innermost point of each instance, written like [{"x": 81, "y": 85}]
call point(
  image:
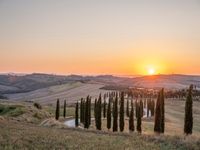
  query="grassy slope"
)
[
  {"x": 70, "y": 92},
  {"x": 23, "y": 131},
  {"x": 21, "y": 136}
]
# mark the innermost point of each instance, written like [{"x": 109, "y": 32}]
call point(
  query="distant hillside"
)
[
  {"x": 11, "y": 84},
  {"x": 26, "y": 83},
  {"x": 174, "y": 81}
]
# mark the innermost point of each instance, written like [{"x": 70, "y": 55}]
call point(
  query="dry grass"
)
[{"x": 22, "y": 133}]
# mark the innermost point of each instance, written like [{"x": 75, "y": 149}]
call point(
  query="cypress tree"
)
[
  {"x": 152, "y": 105},
  {"x": 57, "y": 109},
  {"x": 157, "y": 124},
  {"x": 141, "y": 108},
  {"x": 162, "y": 111},
  {"x": 113, "y": 108},
  {"x": 121, "y": 122},
  {"x": 127, "y": 108},
  {"x": 95, "y": 111},
  {"x": 76, "y": 115},
  {"x": 148, "y": 105},
  {"x": 98, "y": 113},
  {"x": 64, "y": 109},
  {"x": 188, "y": 113},
  {"x": 86, "y": 123},
  {"x": 81, "y": 111},
  {"x": 109, "y": 114},
  {"x": 136, "y": 109},
  {"x": 104, "y": 109},
  {"x": 89, "y": 119},
  {"x": 139, "y": 118},
  {"x": 131, "y": 118},
  {"x": 115, "y": 115}
]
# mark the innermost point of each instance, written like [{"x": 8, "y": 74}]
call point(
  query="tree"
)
[
  {"x": 98, "y": 113},
  {"x": 64, "y": 109},
  {"x": 95, "y": 111},
  {"x": 162, "y": 111},
  {"x": 76, "y": 115},
  {"x": 159, "y": 125},
  {"x": 152, "y": 107},
  {"x": 188, "y": 113},
  {"x": 121, "y": 122},
  {"x": 136, "y": 109},
  {"x": 139, "y": 118},
  {"x": 104, "y": 108},
  {"x": 148, "y": 107},
  {"x": 115, "y": 114},
  {"x": 127, "y": 108},
  {"x": 87, "y": 113},
  {"x": 157, "y": 122},
  {"x": 57, "y": 109},
  {"x": 131, "y": 118},
  {"x": 81, "y": 111},
  {"x": 109, "y": 114},
  {"x": 141, "y": 108}
]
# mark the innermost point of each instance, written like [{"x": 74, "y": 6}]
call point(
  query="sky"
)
[{"x": 120, "y": 37}]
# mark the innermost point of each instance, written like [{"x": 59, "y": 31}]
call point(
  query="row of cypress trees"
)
[
  {"x": 111, "y": 110},
  {"x": 85, "y": 112},
  {"x": 57, "y": 114}
]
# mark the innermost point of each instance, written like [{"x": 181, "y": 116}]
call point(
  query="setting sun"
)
[{"x": 151, "y": 71}]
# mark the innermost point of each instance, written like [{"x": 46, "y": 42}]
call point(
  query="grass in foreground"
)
[{"x": 25, "y": 136}]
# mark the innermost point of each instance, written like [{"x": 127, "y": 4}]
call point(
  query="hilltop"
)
[{"x": 46, "y": 88}]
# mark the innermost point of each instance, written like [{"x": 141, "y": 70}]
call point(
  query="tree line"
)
[{"x": 111, "y": 106}]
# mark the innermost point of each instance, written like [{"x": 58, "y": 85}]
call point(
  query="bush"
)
[
  {"x": 12, "y": 110},
  {"x": 37, "y": 105}
]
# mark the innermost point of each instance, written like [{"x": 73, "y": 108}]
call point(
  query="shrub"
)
[{"x": 37, "y": 105}]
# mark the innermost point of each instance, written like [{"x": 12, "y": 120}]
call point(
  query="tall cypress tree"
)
[
  {"x": 57, "y": 110},
  {"x": 89, "y": 118},
  {"x": 115, "y": 115},
  {"x": 81, "y": 111},
  {"x": 127, "y": 108},
  {"x": 121, "y": 122},
  {"x": 86, "y": 110},
  {"x": 157, "y": 124},
  {"x": 188, "y": 113},
  {"x": 64, "y": 109},
  {"x": 131, "y": 118},
  {"x": 162, "y": 111},
  {"x": 152, "y": 105},
  {"x": 109, "y": 114},
  {"x": 76, "y": 115},
  {"x": 104, "y": 108},
  {"x": 136, "y": 109},
  {"x": 95, "y": 111},
  {"x": 98, "y": 113},
  {"x": 139, "y": 118},
  {"x": 141, "y": 108},
  {"x": 148, "y": 105}
]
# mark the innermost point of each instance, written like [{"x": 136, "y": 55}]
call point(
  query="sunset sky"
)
[{"x": 121, "y": 37}]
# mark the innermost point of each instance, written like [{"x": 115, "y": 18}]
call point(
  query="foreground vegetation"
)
[
  {"x": 36, "y": 128},
  {"x": 15, "y": 135}
]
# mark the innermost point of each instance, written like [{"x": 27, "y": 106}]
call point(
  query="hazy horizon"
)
[{"x": 100, "y": 37}]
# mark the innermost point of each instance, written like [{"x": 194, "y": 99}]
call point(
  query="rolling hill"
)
[{"x": 47, "y": 88}]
